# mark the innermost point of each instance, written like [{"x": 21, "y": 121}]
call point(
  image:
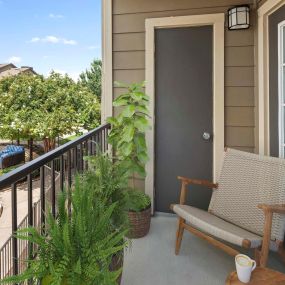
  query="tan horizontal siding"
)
[
  {"x": 244, "y": 148},
  {"x": 239, "y": 137},
  {"x": 138, "y": 6},
  {"x": 135, "y": 41},
  {"x": 240, "y": 37},
  {"x": 139, "y": 183},
  {"x": 234, "y": 57},
  {"x": 122, "y": 22},
  {"x": 129, "y": 42},
  {"x": 239, "y": 116},
  {"x": 129, "y": 60},
  {"x": 129, "y": 76},
  {"x": 239, "y": 76},
  {"x": 118, "y": 91},
  {"x": 239, "y": 56},
  {"x": 239, "y": 96}
]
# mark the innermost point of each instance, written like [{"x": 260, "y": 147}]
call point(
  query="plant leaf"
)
[
  {"x": 128, "y": 111},
  {"x": 141, "y": 123},
  {"x": 128, "y": 133}
]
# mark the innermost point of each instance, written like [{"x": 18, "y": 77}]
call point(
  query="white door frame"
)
[
  {"x": 217, "y": 21},
  {"x": 264, "y": 12},
  {"x": 107, "y": 61}
]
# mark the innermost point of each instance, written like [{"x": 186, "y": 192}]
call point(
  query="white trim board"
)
[
  {"x": 107, "y": 61},
  {"x": 281, "y": 95},
  {"x": 264, "y": 12},
  {"x": 217, "y": 21}
]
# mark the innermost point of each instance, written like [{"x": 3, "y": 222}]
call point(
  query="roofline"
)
[{"x": 7, "y": 64}]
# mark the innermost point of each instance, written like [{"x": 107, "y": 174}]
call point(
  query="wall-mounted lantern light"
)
[{"x": 238, "y": 17}]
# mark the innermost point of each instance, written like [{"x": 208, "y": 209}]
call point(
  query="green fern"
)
[{"x": 78, "y": 247}]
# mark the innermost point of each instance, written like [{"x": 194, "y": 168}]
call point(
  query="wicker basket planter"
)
[{"x": 139, "y": 223}]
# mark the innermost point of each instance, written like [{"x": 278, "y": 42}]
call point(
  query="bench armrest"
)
[
  {"x": 268, "y": 210},
  {"x": 278, "y": 208},
  {"x": 186, "y": 181}
]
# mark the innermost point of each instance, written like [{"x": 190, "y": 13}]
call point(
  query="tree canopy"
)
[
  {"x": 34, "y": 107},
  {"x": 92, "y": 78}
]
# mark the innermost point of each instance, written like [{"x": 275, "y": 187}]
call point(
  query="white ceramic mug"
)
[{"x": 244, "y": 265}]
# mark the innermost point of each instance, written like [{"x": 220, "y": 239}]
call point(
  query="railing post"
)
[
  {"x": 75, "y": 159},
  {"x": 69, "y": 181},
  {"x": 30, "y": 211},
  {"x": 61, "y": 172},
  {"x": 86, "y": 152},
  {"x": 81, "y": 157},
  {"x": 30, "y": 200},
  {"x": 69, "y": 169},
  {"x": 53, "y": 188},
  {"x": 100, "y": 141},
  {"x": 105, "y": 139},
  {"x": 14, "y": 228},
  {"x": 42, "y": 195},
  {"x": 97, "y": 145}
]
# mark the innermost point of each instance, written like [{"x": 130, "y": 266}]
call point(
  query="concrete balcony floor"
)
[{"x": 151, "y": 260}]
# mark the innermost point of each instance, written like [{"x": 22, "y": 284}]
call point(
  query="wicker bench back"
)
[{"x": 247, "y": 180}]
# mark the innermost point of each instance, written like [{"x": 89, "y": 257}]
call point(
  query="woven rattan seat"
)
[{"x": 215, "y": 226}]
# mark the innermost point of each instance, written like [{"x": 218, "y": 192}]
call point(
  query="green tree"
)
[
  {"x": 92, "y": 78},
  {"x": 19, "y": 107},
  {"x": 34, "y": 107}
]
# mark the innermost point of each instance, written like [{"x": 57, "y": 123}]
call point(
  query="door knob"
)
[{"x": 206, "y": 136}]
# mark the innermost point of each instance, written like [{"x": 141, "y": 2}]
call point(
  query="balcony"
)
[{"x": 150, "y": 260}]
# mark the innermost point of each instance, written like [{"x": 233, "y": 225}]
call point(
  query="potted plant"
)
[
  {"x": 127, "y": 136},
  {"x": 78, "y": 245},
  {"x": 139, "y": 214}
]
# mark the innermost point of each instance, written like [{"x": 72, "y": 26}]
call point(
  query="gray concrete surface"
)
[{"x": 151, "y": 260}]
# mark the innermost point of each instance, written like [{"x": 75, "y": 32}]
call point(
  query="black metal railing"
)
[{"x": 41, "y": 180}]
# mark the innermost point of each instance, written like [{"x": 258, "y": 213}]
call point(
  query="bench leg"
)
[
  {"x": 179, "y": 235},
  {"x": 266, "y": 239},
  {"x": 257, "y": 253}
]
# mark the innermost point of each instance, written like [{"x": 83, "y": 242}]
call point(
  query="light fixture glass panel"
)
[
  {"x": 234, "y": 19},
  {"x": 242, "y": 17}
]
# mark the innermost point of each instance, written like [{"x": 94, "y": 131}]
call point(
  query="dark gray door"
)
[
  {"x": 183, "y": 112},
  {"x": 274, "y": 19}
]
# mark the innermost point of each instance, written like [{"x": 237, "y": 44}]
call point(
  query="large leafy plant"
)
[
  {"x": 78, "y": 245},
  {"x": 127, "y": 135}
]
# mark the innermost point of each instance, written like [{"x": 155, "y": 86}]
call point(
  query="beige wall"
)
[{"x": 129, "y": 57}]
